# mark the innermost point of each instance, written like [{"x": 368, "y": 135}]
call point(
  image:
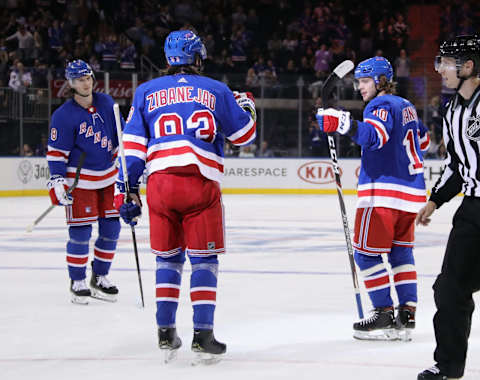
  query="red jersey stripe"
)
[
  {"x": 183, "y": 150},
  {"x": 87, "y": 177},
  {"x": 134, "y": 145},
  {"x": 246, "y": 136},
  {"x": 392, "y": 194}
]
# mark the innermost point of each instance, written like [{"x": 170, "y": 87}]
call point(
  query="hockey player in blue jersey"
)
[
  {"x": 391, "y": 190},
  {"x": 86, "y": 123},
  {"x": 176, "y": 130}
]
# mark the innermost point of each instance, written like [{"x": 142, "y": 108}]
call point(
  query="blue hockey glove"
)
[{"x": 130, "y": 210}]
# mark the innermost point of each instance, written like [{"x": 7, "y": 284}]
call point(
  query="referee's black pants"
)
[{"x": 453, "y": 289}]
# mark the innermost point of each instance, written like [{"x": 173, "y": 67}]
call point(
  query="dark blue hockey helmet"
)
[
  {"x": 182, "y": 46},
  {"x": 374, "y": 68},
  {"x": 77, "y": 69}
]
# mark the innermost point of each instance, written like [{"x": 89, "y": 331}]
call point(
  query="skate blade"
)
[
  {"x": 103, "y": 296},
  {"x": 203, "y": 358},
  {"x": 80, "y": 300},
  {"x": 169, "y": 355},
  {"x": 380, "y": 334},
  {"x": 405, "y": 335}
]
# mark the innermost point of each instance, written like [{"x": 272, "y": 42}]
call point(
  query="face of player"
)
[
  {"x": 367, "y": 88},
  {"x": 83, "y": 85},
  {"x": 447, "y": 68}
]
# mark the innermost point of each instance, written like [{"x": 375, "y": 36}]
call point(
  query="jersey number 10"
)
[{"x": 202, "y": 121}]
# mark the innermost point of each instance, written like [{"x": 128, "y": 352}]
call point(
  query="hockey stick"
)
[
  {"x": 338, "y": 73},
  {"x": 30, "y": 227},
  {"x": 121, "y": 152}
]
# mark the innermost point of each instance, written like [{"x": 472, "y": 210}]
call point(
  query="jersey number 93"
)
[{"x": 201, "y": 122}]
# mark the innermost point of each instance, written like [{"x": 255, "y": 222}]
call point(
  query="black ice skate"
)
[
  {"x": 208, "y": 350},
  {"x": 432, "y": 374},
  {"x": 169, "y": 343},
  {"x": 102, "y": 289},
  {"x": 380, "y": 326},
  {"x": 405, "y": 322},
  {"x": 80, "y": 292}
]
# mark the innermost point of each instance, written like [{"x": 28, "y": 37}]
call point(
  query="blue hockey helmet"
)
[
  {"x": 77, "y": 69},
  {"x": 182, "y": 46},
  {"x": 374, "y": 68}
]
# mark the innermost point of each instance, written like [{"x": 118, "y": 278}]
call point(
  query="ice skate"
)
[
  {"x": 207, "y": 349},
  {"x": 405, "y": 322},
  {"x": 169, "y": 343},
  {"x": 102, "y": 288},
  {"x": 433, "y": 373},
  {"x": 380, "y": 326},
  {"x": 80, "y": 292}
]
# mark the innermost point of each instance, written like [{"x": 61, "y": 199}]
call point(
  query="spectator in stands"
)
[
  {"x": 27, "y": 150},
  {"x": 247, "y": 151},
  {"x": 25, "y": 42},
  {"x": 264, "y": 150},
  {"x": 252, "y": 81},
  {"x": 323, "y": 58},
  {"x": 42, "y": 147},
  {"x": 109, "y": 52},
  {"x": 402, "y": 72},
  {"x": 55, "y": 36},
  {"x": 94, "y": 64},
  {"x": 3, "y": 61},
  {"x": 39, "y": 75},
  {"x": 128, "y": 54},
  {"x": 20, "y": 79}
]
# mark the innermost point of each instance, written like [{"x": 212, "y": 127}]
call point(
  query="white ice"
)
[{"x": 285, "y": 303}]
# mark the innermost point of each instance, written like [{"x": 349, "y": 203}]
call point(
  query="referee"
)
[{"x": 459, "y": 66}]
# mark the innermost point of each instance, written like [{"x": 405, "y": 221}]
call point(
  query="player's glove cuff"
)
[
  {"x": 247, "y": 102},
  {"x": 57, "y": 190}
]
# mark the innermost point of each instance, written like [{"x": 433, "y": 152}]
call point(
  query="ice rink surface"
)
[{"x": 285, "y": 304}]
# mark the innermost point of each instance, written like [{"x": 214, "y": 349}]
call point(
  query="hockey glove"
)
[
  {"x": 57, "y": 189},
  {"x": 247, "y": 102},
  {"x": 331, "y": 120},
  {"x": 131, "y": 209}
]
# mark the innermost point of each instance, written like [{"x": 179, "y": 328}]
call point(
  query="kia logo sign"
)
[{"x": 317, "y": 172}]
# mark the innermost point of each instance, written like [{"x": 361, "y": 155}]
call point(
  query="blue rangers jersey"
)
[
  {"x": 179, "y": 120},
  {"x": 73, "y": 130},
  {"x": 392, "y": 140}
]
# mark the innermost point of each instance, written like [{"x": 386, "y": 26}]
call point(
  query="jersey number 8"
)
[{"x": 202, "y": 121}]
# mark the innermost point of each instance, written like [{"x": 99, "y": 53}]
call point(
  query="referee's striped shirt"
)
[{"x": 461, "y": 134}]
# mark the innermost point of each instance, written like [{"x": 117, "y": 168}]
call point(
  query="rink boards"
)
[{"x": 26, "y": 176}]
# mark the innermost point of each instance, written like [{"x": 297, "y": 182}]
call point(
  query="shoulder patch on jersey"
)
[
  {"x": 472, "y": 131},
  {"x": 53, "y": 134},
  {"x": 182, "y": 80}
]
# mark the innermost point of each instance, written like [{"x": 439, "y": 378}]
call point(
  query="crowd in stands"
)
[{"x": 247, "y": 41}]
